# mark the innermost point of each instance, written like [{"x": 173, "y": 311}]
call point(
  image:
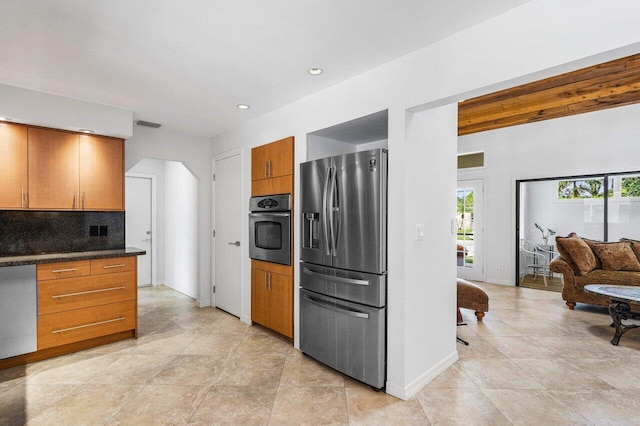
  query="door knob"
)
[{"x": 234, "y": 243}]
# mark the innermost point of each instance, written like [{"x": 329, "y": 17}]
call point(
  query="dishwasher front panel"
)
[
  {"x": 18, "y": 310},
  {"x": 348, "y": 337}
]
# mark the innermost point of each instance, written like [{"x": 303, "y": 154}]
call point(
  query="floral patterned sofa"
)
[{"x": 584, "y": 261}]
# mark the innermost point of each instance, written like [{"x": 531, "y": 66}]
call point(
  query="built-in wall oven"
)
[{"x": 270, "y": 228}]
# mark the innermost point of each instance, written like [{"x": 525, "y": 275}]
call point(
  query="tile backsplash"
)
[{"x": 42, "y": 232}]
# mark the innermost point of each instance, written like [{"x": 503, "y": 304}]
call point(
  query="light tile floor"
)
[{"x": 531, "y": 362}]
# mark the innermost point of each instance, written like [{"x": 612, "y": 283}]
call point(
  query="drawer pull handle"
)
[
  {"x": 88, "y": 325},
  {"x": 57, "y": 271},
  {"x": 119, "y": 265},
  {"x": 88, "y": 292}
]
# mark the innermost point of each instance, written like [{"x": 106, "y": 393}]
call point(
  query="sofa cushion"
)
[
  {"x": 635, "y": 245},
  {"x": 590, "y": 243},
  {"x": 617, "y": 256},
  {"x": 602, "y": 276},
  {"x": 577, "y": 253}
]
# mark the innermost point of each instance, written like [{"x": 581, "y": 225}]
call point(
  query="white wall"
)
[
  {"x": 195, "y": 153},
  {"x": 181, "y": 229},
  {"x": 430, "y": 264},
  {"x": 596, "y": 142},
  {"x": 509, "y": 49}
]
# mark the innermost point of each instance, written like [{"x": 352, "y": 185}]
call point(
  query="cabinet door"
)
[
  {"x": 281, "y": 158},
  {"x": 101, "y": 173},
  {"x": 281, "y": 304},
  {"x": 259, "y": 162},
  {"x": 13, "y": 166},
  {"x": 259, "y": 297},
  {"x": 279, "y": 185},
  {"x": 53, "y": 169}
]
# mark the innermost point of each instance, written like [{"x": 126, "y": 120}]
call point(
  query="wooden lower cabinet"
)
[
  {"x": 272, "y": 301},
  {"x": 83, "y": 324},
  {"x": 87, "y": 299}
]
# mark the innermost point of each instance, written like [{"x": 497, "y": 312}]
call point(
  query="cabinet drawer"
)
[
  {"x": 82, "y": 324},
  {"x": 112, "y": 265},
  {"x": 54, "y": 271},
  {"x": 82, "y": 292}
]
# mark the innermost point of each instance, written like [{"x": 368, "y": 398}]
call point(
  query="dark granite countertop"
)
[{"x": 66, "y": 257}]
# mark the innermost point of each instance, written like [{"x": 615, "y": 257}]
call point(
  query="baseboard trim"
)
[{"x": 406, "y": 392}]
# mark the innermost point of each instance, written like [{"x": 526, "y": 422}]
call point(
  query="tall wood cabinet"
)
[
  {"x": 272, "y": 167},
  {"x": 13, "y": 166},
  {"x": 46, "y": 169}
]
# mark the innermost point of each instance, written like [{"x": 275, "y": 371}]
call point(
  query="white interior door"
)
[
  {"x": 470, "y": 224},
  {"x": 138, "y": 223},
  {"x": 227, "y": 225}
]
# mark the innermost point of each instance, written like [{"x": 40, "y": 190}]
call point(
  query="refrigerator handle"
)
[
  {"x": 332, "y": 210},
  {"x": 335, "y": 279},
  {"x": 336, "y": 308},
  {"x": 325, "y": 212}
]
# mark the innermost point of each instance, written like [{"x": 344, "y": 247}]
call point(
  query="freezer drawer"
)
[
  {"x": 358, "y": 287},
  {"x": 348, "y": 337}
]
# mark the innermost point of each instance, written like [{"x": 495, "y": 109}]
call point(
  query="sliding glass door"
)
[{"x": 599, "y": 207}]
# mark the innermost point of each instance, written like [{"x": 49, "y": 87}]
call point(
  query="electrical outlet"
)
[
  {"x": 419, "y": 232},
  {"x": 501, "y": 266},
  {"x": 104, "y": 230},
  {"x": 94, "y": 231}
]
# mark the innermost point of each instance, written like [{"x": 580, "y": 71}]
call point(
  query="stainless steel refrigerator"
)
[{"x": 343, "y": 274}]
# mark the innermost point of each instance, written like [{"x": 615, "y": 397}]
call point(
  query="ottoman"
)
[{"x": 470, "y": 296}]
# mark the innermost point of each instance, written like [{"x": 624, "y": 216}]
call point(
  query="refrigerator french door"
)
[
  {"x": 344, "y": 211},
  {"x": 344, "y": 261}
]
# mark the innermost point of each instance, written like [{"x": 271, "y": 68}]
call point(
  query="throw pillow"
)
[
  {"x": 617, "y": 256},
  {"x": 635, "y": 246},
  {"x": 577, "y": 253},
  {"x": 590, "y": 243}
]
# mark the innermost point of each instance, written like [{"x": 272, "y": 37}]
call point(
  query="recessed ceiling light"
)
[
  {"x": 86, "y": 130},
  {"x": 315, "y": 71},
  {"x": 5, "y": 118},
  {"x": 243, "y": 106}
]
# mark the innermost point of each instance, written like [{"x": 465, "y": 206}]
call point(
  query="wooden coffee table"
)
[{"x": 619, "y": 309}]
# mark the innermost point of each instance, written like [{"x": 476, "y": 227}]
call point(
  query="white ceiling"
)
[{"x": 187, "y": 64}]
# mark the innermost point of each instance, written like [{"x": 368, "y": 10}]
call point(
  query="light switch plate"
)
[{"x": 419, "y": 232}]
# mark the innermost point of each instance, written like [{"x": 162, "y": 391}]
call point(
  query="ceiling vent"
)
[{"x": 148, "y": 124}]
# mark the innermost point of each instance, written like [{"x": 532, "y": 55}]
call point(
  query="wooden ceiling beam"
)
[{"x": 607, "y": 85}]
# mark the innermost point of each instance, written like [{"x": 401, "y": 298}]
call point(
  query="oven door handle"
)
[
  {"x": 336, "y": 308},
  {"x": 336, "y": 279},
  {"x": 269, "y": 214}
]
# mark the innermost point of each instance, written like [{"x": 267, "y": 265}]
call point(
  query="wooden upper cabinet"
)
[
  {"x": 101, "y": 173},
  {"x": 260, "y": 162},
  {"x": 281, "y": 158},
  {"x": 272, "y": 160},
  {"x": 53, "y": 169},
  {"x": 13, "y": 166}
]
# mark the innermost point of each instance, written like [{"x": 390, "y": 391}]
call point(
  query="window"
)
[
  {"x": 583, "y": 188},
  {"x": 630, "y": 186},
  {"x": 469, "y": 160}
]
